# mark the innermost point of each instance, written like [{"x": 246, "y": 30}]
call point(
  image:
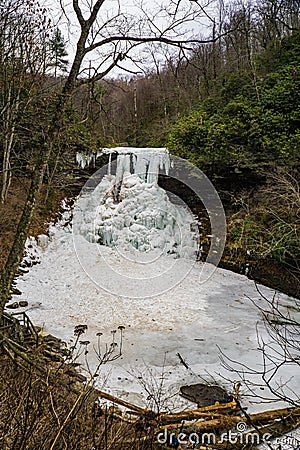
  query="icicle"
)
[
  {"x": 137, "y": 214},
  {"x": 84, "y": 160},
  {"x": 140, "y": 168},
  {"x": 146, "y": 162},
  {"x": 123, "y": 165},
  {"x": 109, "y": 165},
  {"x": 154, "y": 166}
]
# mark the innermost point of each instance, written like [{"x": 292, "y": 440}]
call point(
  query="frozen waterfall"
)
[
  {"x": 128, "y": 209},
  {"x": 143, "y": 162}
]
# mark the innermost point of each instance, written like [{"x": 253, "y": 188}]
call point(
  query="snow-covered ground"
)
[
  {"x": 146, "y": 280},
  {"x": 192, "y": 319}
]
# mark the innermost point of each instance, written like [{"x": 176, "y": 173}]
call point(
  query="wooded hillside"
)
[{"x": 230, "y": 105}]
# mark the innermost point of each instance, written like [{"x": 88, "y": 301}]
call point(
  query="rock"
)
[
  {"x": 43, "y": 241},
  {"x": 53, "y": 356},
  {"x": 14, "y": 305},
  {"x": 52, "y": 343},
  {"x": 23, "y": 303},
  {"x": 71, "y": 372},
  {"x": 26, "y": 263},
  {"x": 21, "y": 271},
  {"x": 80, "y": 377},
  {"x": 15, "y": 291},
  {"x": 52, "y": 339},
  {"x": 205, "y": 394}
]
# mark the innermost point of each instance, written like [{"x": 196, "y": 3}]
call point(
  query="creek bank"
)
[
  {"x": 267, "y": 271},
  {"x": 229, "y": 183}
]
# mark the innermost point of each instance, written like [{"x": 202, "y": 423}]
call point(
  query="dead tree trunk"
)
[
  {"x": 45, "y": 152},
  {"x": 11, "y": 111}
]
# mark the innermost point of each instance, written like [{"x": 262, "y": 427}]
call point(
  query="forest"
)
[
  {"x": 226, "y": 99},
  {"x": 229, "y": 105}
]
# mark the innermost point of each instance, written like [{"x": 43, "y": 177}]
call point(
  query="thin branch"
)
[
  {"x": 94, "y": 12},
  {"x": 186, "y": 44},
  {"x": 78, "y": 12}
]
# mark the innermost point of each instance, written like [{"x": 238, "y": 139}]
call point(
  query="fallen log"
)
[
  {"x": 165, "y": 419},
  {"x": 206, "y": 411},
  {"x": 247, "y": 442},
  {"x": 267, "y": 416},
  {"x": 202, "y": 425},
  {"x": 229, "y": 422},
  {"x": 215, "y": 418},
  {"x": 121, "y": 402},
  {"x": 169, "y": 419},
  {"x": 280, "y": 427}
]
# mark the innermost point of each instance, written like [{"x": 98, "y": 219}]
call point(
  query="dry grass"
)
[
  {"x": 37, "y": 414},
  {"x": 10, "y": 213}
]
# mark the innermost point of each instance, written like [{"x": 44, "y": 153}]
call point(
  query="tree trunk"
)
[
  {"x": 10, "y": 125},
  {"x": 6, "y": 179},
  {"x": 16, "y": 253}
]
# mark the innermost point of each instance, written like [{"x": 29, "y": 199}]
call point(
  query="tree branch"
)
[
  {"x": 78, "y": 12},
  {"x": 101, "y": 75},
  {"x": 94, "y": 12},
  {"x": 185, "y": 44}
]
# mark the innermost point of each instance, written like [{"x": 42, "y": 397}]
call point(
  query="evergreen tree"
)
[{"x": 58, "y": 52}]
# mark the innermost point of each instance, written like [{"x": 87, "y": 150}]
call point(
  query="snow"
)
[
  {"x": 192, "y": 319},
  {"x": 146, "y": 279}
]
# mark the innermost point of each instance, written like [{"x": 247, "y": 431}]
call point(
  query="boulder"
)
[
  {"x": 15, "y": 291},
  {"x": 13, "y": 305},
  {"x": 205, "y": 394},
  {"x": 23, "y": 303}
]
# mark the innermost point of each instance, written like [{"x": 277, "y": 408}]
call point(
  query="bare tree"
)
[
  {"x": 24, "y": 29},
  {"x": 276, "y": 18}
]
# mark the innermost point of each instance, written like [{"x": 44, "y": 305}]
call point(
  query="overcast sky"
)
[{"x": 125, "y": 17}]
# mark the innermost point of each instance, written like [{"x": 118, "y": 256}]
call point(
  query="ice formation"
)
[
  {"x": 191, "y": 318},
  {"x": 84, "y": 159},
  {"x": 130, "y": 211},
  {"x": 144, "y": 162}
]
